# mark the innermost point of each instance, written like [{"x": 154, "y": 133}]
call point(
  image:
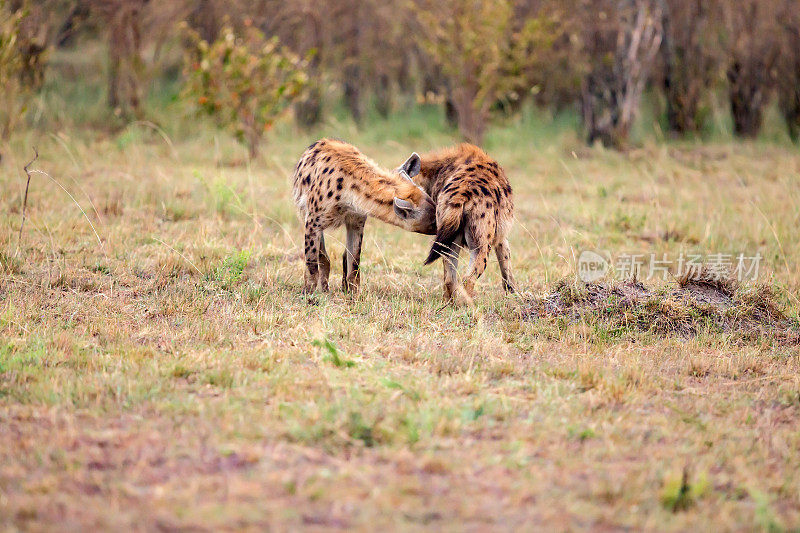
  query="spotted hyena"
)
[
  {"x": 474, "y": 207},
  {"x": 335, "y": 184}
]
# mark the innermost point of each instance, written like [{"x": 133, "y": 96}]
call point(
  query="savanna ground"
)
[{"x": 172, "y": 375}]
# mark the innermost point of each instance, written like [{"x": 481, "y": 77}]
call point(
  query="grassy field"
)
[{"x": 160, "y": 369}]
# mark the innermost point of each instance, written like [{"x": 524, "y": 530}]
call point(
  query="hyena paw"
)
[
  {"x": 308, "y": 288},
  {"x": 462, "y": 298},
  {"x": 350, "y": 284}
]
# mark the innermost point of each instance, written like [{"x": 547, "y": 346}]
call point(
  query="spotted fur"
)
[
  {"x": 474, "y": 207},
  {"x": 335, "y": 184}
]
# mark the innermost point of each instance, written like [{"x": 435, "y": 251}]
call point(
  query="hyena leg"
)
[
  {"x": 312, "y": 241},
  {"x": 450, "y": 268},
  {"x": 351, "y": 276},
  {"x": 478, "y": 257},
  {"x": 504, "y": 258},
  {"x": 324, "y": 264}
]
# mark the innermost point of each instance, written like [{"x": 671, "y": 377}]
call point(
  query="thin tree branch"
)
[{"x": 25, "y": 199}]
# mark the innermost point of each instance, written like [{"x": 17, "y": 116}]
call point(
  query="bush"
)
[
  {"x": 480, "y": 54},
  {"x": 14, "y": 95},
  {"x": 245, "y": 82}
]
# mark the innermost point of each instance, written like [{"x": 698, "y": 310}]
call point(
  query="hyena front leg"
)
[
  {"x": 312, "y": 242},
  {"x": 324, "y": 264},
  {"x": 503, "y": 253},
  {"x": 351, "y": 276}
]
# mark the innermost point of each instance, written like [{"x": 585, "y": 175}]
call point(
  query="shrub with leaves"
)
[
  {"x": 246, "y": 82},
  {"x": 481, "y": 53},
  {"x": 13, "y": 93}
]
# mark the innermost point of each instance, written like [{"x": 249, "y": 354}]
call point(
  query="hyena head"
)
[{"x": 416, "y": 208}]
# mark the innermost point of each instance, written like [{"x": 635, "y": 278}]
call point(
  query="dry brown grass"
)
[{"x": 172, "y": 379}]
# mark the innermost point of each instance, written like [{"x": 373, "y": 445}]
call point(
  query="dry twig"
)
[{"x": 25, "y": 199}]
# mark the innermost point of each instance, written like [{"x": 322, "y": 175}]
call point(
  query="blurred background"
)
[{"x": 614, "y": 72}]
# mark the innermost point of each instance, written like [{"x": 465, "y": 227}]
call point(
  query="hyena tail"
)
[{"x": 449, "y": 228}]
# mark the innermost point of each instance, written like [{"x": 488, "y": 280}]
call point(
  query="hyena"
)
[
  {"x": 335, "y": 184},
  {"x": 474, "y": 206}
]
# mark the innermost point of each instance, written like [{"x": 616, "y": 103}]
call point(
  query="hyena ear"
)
[
  {"x": 412, "y": 165},
  {"x": 403, "y": 208}
]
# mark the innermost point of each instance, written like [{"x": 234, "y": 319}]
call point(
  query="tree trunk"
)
[
  {"x": 753, "y": 49},
  {"x": 383, "y": 95},
  {"x": 353, "y": 79},
  {"x": 450, "y": 112},
  {"x": 791, "y": 114},
  {"x": 252, "y": 137},
  {"x": 124, "y": 54},
  {"x": 612, "y": 90},
  {"x": 308, "y": 111},
  {"x": 471, "y": 118},
  {"x": 789, "y": 77},
  {"x": 206, "y": 19},
  {"x": 746, "y": 92},
  {"x": 352, "y": 91},
  {"x": 687, "y": 64}
]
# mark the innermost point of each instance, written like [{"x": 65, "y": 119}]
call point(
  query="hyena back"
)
[
  {"x": 474, "y": 207},
  {"x": 335, "y": 184}
]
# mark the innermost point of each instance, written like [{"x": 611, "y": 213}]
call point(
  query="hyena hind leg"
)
[
  {"x": 312, "y": 243},
  {"x": 479, "y": 254},
  {"x": 450, "y": 271},
  {"x": 503, "y": 253},
  {"x": 324, "y": 265}
]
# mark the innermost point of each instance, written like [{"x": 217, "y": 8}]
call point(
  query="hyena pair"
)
[{"x": 460, "y": 194}]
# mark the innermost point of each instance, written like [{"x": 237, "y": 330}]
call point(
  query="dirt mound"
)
[{"x": 693, "y": 306}]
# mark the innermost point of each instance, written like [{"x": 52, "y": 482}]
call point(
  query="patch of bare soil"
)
[{"x": 699, "y": 304}]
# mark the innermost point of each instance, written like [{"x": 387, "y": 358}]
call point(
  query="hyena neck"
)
[
  {"x": 432, "y": 168},
  {"x": 376, "y": 188}
]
